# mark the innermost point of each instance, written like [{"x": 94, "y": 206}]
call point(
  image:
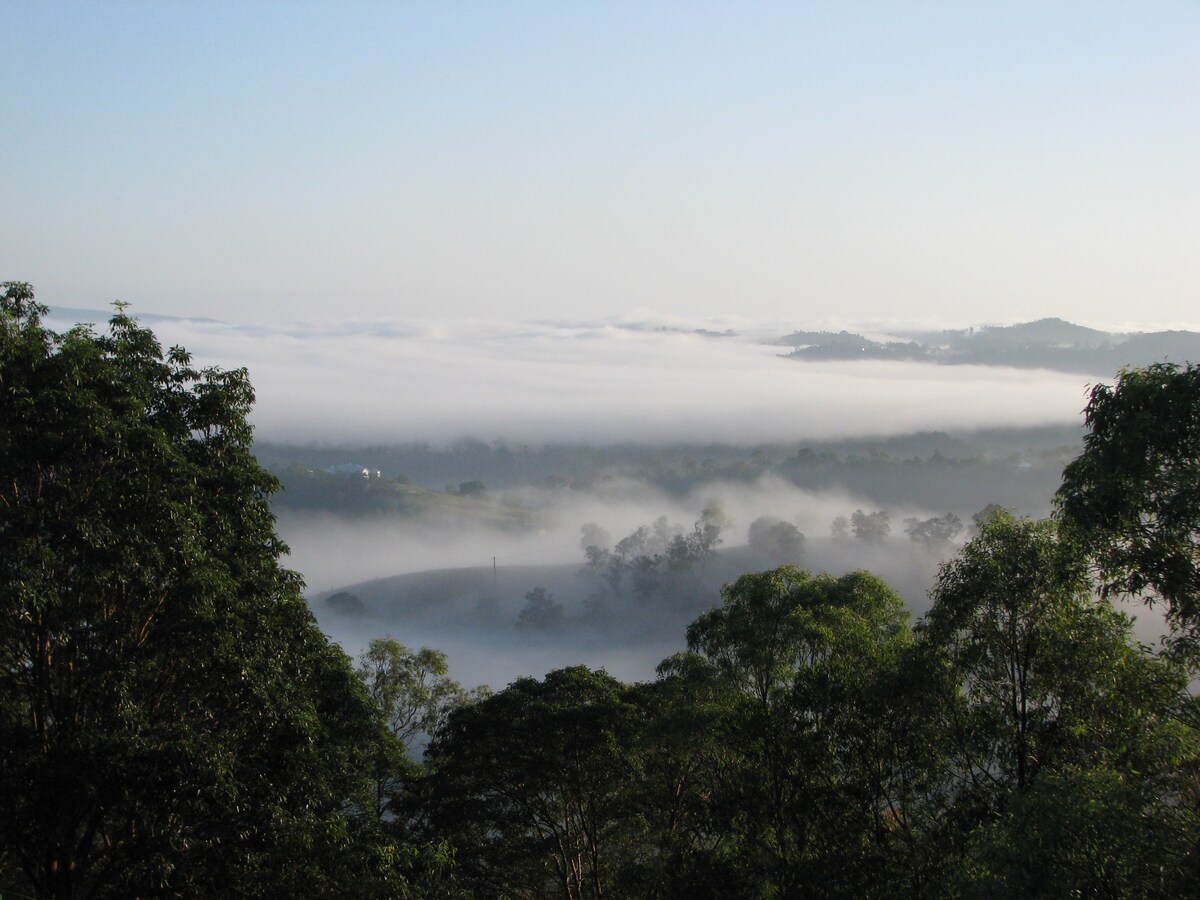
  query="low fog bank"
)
[
  {"x": 330, "y": 550},
  {"x": 431, "y": 581},
  {"x": 601, "y": 382},
  {"x": 480, "y": 616}
]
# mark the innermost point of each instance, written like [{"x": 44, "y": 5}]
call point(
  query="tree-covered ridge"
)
[
  {"x": 172, "y": 723},
  {"x": 929, "y": 470},
  {"x": 1044, "y": 344}
]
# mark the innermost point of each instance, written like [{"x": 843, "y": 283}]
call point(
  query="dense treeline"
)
[
  {"x": 810, "y": 743},
  {"x": 1020, "y": 468},
  {"x": 172, "y": 722}
]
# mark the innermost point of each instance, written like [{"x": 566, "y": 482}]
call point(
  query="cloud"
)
[{"x": 634, "y": 379}]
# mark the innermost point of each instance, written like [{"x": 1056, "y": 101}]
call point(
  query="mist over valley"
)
[
  {"x": 436, "y": 473},
  {"x": 451, "y": 562}
]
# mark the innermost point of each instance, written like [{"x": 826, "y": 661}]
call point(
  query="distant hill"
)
[
  {"x": 1051, "y": 331},
  {"x": 486, "y": 602},
  {"x": 1045, "y": 344}
]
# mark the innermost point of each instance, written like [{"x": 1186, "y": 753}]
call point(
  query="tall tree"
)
[
  {"x": 171, "y": 719},
  {"x": 684, "y": 754},
  {"x": 1047, "y": 691},
  {"x": 801, "y": 805},
  {"x": 530, "y": 786},
  {"x": 1132, "y": 497}
]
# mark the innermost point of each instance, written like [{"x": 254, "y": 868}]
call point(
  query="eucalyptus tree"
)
[
  {"x": 797, "y": 804},
  {"x": 1132, "y": 497},
  {"x": 171, "y": 719},
  {"x": 1052, "y": 717},
  {"x": 530, "y": 786}
]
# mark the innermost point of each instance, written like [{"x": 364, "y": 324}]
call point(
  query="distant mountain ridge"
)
[
  {"x": 1043, "y": 344},
  {"x": 1048, "y": 343}
]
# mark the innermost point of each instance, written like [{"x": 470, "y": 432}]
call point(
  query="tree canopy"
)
[
  {"x": 1054, "y": 723},
  {"x": 1133, "y": 496},
  {"x": 171, "y": 719},
  {"x": 529, "y": 784}
]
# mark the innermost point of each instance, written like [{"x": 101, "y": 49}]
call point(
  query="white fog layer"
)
[
  {"x": 331, "y": 551},
  {"x": 391, "y": 381}
]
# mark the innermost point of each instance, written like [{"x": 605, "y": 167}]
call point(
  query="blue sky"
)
[{"x": 800, "y": 162}]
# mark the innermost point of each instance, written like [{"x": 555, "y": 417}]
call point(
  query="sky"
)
[{"x": 803, "y": 162}]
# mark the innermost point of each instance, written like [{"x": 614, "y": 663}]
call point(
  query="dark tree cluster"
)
[
  {"x": 771, "y": 536},
  {"x": 1018, "y": 742},
  {"x": 172, "y": 721},
  {"x": 541, "y": 611},
  {"x": 935, "y": 532},
  {"x": 655, "y": 563},
  {"x": 1133, "y": 496}
]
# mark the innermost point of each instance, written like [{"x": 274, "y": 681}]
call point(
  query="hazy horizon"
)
[{"x": 393, "y": 381}]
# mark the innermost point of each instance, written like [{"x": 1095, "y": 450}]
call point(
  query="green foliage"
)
[
  {"x": 1088, "y": 833},
  {"x": 1036, "y": 685},
  {"x": 684, "y": 755},
  {"x": 529, "y": 785},
  {"x": 171, "y": 719},
  {"x": 806, "y": 745},
  {"x": 981, "y": 517},
  {"x": 1132, "y": 498},
  {"x": 793, "y": 660},
  {"x": 773, "y": 624},
  {"x": 1013, "y": 619},
  {"x": 412, "y": 690},
  {"x": 172, "y": 722},
  {"x": 415, "y": 695}
]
